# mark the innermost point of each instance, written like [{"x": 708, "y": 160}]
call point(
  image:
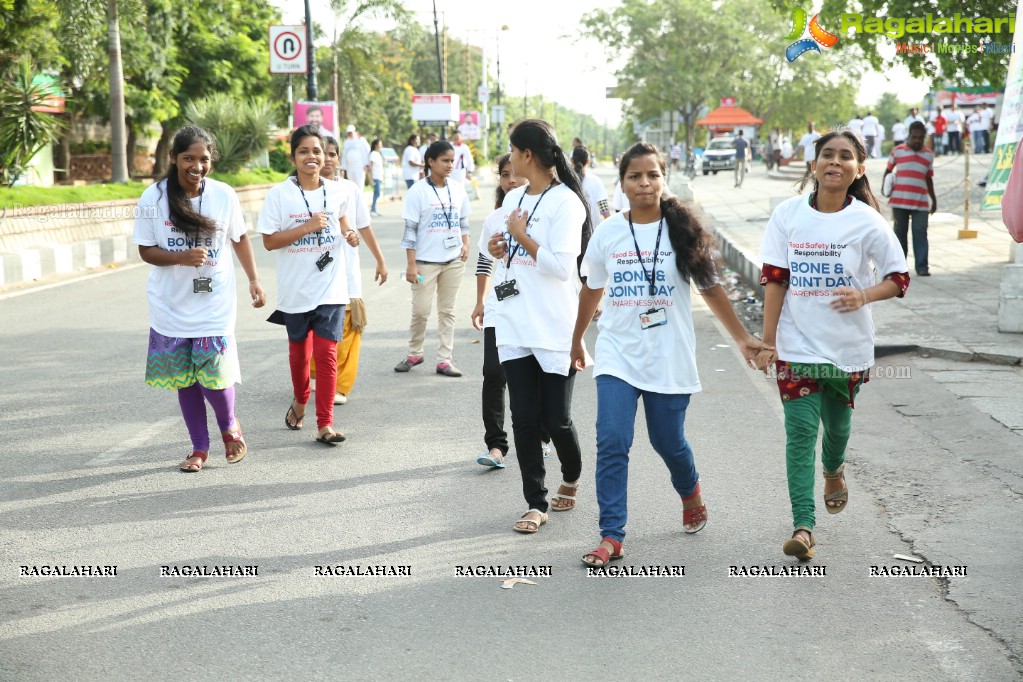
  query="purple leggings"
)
[{"x": 193, "y": 409}]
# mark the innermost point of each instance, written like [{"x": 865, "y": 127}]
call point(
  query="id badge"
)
[
  {"x": 450, "y": 242},
  {"x": 506, "y": 289},
  {"x": 324, "y": 260},
  {"x": 202, "y": 285},
  {"x": 654, "y": 317}
]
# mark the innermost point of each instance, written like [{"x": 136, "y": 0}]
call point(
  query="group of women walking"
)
[{"x": 545, "y": 267}]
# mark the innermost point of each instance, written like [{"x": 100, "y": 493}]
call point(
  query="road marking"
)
[
  {"x": 73, "y": 280},
  {"x": 136, "y": 441}
]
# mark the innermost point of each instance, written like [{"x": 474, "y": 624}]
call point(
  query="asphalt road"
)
[{"x": 90, "y": 477}]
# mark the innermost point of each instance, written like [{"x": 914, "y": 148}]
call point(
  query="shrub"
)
[
  {"x": 23, "y": 131},
  {"x": 241, "y": 129}
]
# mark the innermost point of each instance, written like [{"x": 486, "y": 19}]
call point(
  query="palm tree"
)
[{"x": 118, "y": 133}]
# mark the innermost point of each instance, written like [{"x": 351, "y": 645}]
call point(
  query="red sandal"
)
[
  {"x": 234, "y": 436},
  {"x": 602, "y": 553},
  {"x": 694, "y": 515},
  {"x": 192, "y": 467}
]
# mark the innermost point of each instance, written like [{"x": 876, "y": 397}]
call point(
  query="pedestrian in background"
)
[
  {"x": 593, "y": 188},
  {"x": 547, "y": 230},
  {"x": 183, "y": 226},
  {"x": 430, "y": 139},
  {"x": 806, "y": 143},
  {"x": 464, "y": 165},
  {"x": 817, "y": 315},
  {"x": 913, "y": 198},
  {"x": 975, "y": 124},
  {"x": 741, "y": 154},
  {"x": 436, "y": 244},
  {"x": 411, "y": 161},
  {"x": 349, "y": 347},
  {"x": 954, "y": 121},
  {"x": 870, "y": 124},
  {"x": 355, "y": 156},
  {"x": 494, "y": 380},
  {"x": 647, "y": 345},
  {"x": 304, "y": 221},
  {"x": 987, "y": 115},
  {"x": 376, "y": 164},
  {"x": 937, "y": 139}
]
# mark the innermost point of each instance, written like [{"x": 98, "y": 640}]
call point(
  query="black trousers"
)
[
  {"x": 494, "y": 383},
  {"x": 541, "y": 401}
]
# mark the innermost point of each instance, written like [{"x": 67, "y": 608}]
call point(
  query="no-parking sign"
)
[{"x": 287, "y": 49}]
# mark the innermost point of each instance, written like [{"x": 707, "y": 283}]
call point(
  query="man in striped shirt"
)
[{"x": 914, "y": 185}]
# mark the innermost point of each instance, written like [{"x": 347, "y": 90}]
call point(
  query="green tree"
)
[
  {"x": 23, "y": 131},
  {"x": 889, "y": 109},
  {"x": 27, "y": 29}
]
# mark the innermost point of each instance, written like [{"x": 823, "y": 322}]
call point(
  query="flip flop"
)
[
  {"x": 291, "y": 414},
  {"x": 330, "y": 437},
  {"x": 194, "y": 466},
  {"x": 487, "y": 460},
  {"x": 234, "y": 436}
]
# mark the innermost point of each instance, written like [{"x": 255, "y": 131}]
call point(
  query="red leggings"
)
[{"x": 325, "y": 353}]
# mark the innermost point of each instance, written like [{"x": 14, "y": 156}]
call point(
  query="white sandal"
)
[
  {"x": 536, "y": 523},
  {"x": 561, "y": 496}
]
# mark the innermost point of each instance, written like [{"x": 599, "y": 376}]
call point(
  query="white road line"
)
[
  {"x": 72, "y": 280},
  {"x": 118, "y": 451}
]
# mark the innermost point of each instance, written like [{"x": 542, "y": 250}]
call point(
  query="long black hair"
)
[
  {"x": 860, "y": 187},
  {"x": 694, "y": 245},
  {"x": 580, "y": 157},
  {"x": 538, "y": 136},
  {"x": 434, "y": 151},
  {"x": 499, "y": 193},
  {"x": 184, "y": 217}
]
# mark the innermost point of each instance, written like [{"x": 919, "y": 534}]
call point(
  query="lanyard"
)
[
  {"x": 319, "y": 233},
  {"x": 451, "y": 205},
  {"x": 202, "y": 190},
  {"x": 652, "y": 276},
  {"x": 511, "y": 241}
]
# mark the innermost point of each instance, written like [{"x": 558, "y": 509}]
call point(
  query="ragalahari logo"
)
[{"x": 818, "y": 36}]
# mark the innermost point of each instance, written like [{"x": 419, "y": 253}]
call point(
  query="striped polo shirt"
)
[{"x": 912, "y": 168}]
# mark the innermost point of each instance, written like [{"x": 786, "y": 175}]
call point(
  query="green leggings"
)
[{"x": 802, "y": 419}]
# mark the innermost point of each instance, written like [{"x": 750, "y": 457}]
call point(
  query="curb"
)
[{"x": 25, "y": 265}]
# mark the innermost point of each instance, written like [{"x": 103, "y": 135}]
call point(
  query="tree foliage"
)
[
  {"x": 241, "y": 128},
  {"x": 23, "y": 131}
]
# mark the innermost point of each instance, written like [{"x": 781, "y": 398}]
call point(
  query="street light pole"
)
[{"x": 310, "y": 83}]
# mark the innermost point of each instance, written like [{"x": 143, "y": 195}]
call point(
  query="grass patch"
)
[
  {"x": 22, "y": 197},
  {"x": 252, "y": 176}
]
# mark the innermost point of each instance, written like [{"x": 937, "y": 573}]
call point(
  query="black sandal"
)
[
  {"x": 292, "y": 414},
  {"x": 330, "y": 436}
]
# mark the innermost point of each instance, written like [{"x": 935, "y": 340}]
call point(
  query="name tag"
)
[
  {"x": 450, "y": 242},
  {"x": 506, "y": 290},
  {"x": 654, "y": 317},
  {"x": 202, "y": 285}
]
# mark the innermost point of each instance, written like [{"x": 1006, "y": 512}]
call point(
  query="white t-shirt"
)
[
  {"x": 661, "y": 359},
  {"x": 975, "y": 122},
  {"x": 438, "y": 211},
  {"x": 619, "y": 201},
  {"x": 492, "y": 224},
  {"x": 899, "y": 131},
  {"x": 463, "y": 162},
  {"x": 595, "y": 192},
  {"x": 354, "y": 154},
  {"x": 953, "y": 119},
  {"x": 174, "y": 307},
  {"x": 301, "y": 285},
  {"x": 987, "y": 115},
  {"x": 358, "y": 218},
  {"x": 807, "y": 143},
  {"x": 376, "y": 163},
  {"x": 408, "y": 157},
  {"x": 870, "y": 126},
  {"x": 824, "y": 251},
  {"x": 543, "y": 314},
  {"x": 856, "y": 125}
]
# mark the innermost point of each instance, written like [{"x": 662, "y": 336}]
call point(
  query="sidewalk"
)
[{"x": 952, "y": 314}]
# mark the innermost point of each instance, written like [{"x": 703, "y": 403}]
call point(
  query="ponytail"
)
[
  {"x": 580, "y": 157},
  {"x": 569, "y": 179},
  {"x": 693, "y": 244},
  {"x": 184, "y": 217}
]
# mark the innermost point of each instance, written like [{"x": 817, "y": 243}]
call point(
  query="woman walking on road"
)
[
  {"x": 593, "y": 188},
  {"x": 436, "y": 244},
  {"x": 376, "y": 164},
  {"x": 818, "y": 252},
  {"x": 494, "y": 380},
  {"x": 548, "y": 225},
  {"x": 184, "y": 224},
  {"x": 355, "y": 312},
  {"x": 647, "y": 345},
  {"x": 304, "y": 220}
]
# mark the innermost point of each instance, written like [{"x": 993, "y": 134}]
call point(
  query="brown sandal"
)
[
  {"x": 841, "y": 497},
  {"x": 798, "y": 546},
  {"x": 191, "y": 467},
  {"x": 234, "y": 436}
]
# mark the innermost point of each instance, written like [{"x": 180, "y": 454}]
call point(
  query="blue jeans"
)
[
  {"x": 616, "y": 424},
  {"x": 376, "y": 195},
  {"x": 919, "y": 218}
]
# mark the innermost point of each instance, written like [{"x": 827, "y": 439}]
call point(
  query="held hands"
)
[
  {"x": 194, "y": 257},
  {"x": 317, "y": 222},
  {"x": 477, "y": 317},
  {"x": 352, "y": 238},
  {"x": 848, "y": 299},
  {"x": 517, "y": 222},
  {"x": 756, "y": 353},
  {"x": 257, "y": 294},
  {"x": 496, "y": 246}
]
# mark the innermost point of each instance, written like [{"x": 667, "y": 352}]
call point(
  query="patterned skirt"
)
[{"x": 178, "y": 363}]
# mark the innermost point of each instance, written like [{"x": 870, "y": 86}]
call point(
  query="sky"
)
[{"x": 540, "y": 56}]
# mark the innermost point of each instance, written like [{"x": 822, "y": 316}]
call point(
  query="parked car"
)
[{"x": 719, "y": 155}]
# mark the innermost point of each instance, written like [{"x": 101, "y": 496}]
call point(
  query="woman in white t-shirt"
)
[
  {"x": 411, "y": 161},
  {"x": 355, "y": 312},
  {"x": 304, "y": 220},
  {"x": 819, "y": 255},
  {"x": 436, "y": 244},
  {"x": 376, "y": 164},
  {"x": 547, "y": 229},
  {"x": 183, "y": 227},
  {"x": 593, "y": 188},
  {"x": 644, "y": 260}
]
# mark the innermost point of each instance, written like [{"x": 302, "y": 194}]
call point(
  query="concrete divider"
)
[{"x": 40, "y": 241}]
